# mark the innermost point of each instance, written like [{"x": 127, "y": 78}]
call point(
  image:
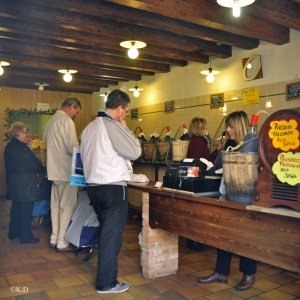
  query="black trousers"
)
[
  {"x": 20, "y": 220},
  {"x": 247, "y": 265},
  {"x": 110, "y": 203}
]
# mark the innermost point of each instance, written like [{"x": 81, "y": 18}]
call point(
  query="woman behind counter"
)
[
  {"x": 198, "y": 147},
  {"x": 237, "y": 125},
  {"x": 21, "y": 168}
]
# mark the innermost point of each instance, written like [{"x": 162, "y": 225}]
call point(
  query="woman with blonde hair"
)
[
  {"x": 237, "y": 124},
  {"x": 236, "y": 128},
  {"x": 198, "y": 146},
  {"x": 21, "y": 168}
]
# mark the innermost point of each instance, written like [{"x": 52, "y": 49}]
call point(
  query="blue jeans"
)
[{"x": 110, "y": 203}]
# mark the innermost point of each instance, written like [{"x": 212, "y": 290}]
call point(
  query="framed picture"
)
[
  {"x": 134, "y": 113},
  {"x": 293, "y": 91},
  {"x": 217, "y": 100},
  {"x": 170, "y": 106}
]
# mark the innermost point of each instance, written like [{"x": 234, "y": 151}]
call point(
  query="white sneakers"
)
[{"x": 118, "y": 288}]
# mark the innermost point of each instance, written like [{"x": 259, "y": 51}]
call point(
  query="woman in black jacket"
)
[{"x": 22, "y": 168}]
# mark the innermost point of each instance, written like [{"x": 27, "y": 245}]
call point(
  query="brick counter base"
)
[{"x": 159, "y": 248}]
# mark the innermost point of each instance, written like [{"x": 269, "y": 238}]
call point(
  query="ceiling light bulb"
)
[
  {"x": 133, "y": 52},
  {"x": 236, "y": 9},
  {"x": 1, "y": 71},
  {"x": 224, "y": 108},
  {"x": 136, "y": 93},
  {"x": 105, "y": 95},
  {"x": 210, "y": 78},
  {"x": 41, "y": 87},
  {"x": 67, "y": 77}
]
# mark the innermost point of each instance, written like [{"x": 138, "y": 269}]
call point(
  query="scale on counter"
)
[{"x": 189, "y": 178}]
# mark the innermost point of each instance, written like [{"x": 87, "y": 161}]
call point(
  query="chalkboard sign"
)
[
  {"x": 134, "y": 113},
  {"x": 293, "y": 91},
  {"x": 216, "y": 100},
  {"x": 170, "y": 106}
]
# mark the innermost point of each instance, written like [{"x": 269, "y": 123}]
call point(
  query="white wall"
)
[{"x": 280, "y": 63}]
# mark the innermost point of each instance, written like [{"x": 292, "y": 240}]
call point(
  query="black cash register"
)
[{"x": 190, "y": 177}]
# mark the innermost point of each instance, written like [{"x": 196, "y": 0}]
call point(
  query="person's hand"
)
[
  {"x": 217, "y": 144},
  {"x": 123, "y": 122}
]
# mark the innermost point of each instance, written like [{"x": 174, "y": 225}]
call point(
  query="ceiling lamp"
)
[
  {"x": 235, "y": 5},
  {"x": 67, "y": 74},
  {"x": 41, "y": 86},
  {"x": 3, "y": 64},
  {"x": 136, "y": 91},
  {"x": 133, "y": 47},
  {"x": 105, "y": 95},
  {"x": 210, "y": 73}
]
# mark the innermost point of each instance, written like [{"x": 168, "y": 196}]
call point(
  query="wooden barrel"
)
[
  {"x": 179, "y": 150},
  {"x": 240, "y": 176}
]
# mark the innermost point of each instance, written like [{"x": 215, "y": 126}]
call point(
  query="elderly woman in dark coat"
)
[{"x": 21, "y": 168}]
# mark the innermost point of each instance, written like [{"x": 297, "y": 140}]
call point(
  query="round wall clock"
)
[{"x": 252, "y": 67}]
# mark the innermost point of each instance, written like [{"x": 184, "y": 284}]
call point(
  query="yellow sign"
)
[
  {"x": 284, "y": 134},
  {"x": 251, "y": 96},
  {"x": 287, "y": 168}
]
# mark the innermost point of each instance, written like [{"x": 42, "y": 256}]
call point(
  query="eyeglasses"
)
[
  {"x": 26, "y": 130},
  {"x": 126, "y": 110}
]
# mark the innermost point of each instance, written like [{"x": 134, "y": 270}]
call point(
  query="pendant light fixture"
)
[
  {"x": 3, "y": 64},
  {"x": 41, "y": 86},
  {"x": 235, "y": 5},
  {"x": 104, "y": 95},
  {"x": 133, "y": 47},
  {"x": 210, "y": 73},
  {"x": 67, "y": 74},
  {"x": 136, "y": 90}
]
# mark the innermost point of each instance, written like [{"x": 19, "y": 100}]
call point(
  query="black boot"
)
[
  {"x": 246, "y": 283},
  {"x": 216, "y": 277}
]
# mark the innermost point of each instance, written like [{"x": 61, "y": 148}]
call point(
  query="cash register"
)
[{"x": 190, "y": 177}]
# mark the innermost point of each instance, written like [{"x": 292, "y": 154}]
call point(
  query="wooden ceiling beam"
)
[
  {"x": 79, "y": 56},
  {"x": 15, "y": 80},
  {"x": 48, "y": 64},
  {"x": 27, "y": 61},
  {"x": 121, "y": 31},
  {"x": 15, "y": 30},
  {"x": 38, "y": 76},
  {"x": 52, "y": 81},
  {"x": 70, "y": 89},
  {"x": 146, "y": 19},
  {"x": 283, "y": 12},
  {"x": 209, "y": 13},
  {"x": 61, "y": 36}
]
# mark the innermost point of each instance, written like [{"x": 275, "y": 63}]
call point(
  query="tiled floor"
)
[{"x": 37, "y": 272}]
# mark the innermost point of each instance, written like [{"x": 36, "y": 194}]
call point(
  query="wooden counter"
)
[{"x": 270, "y": 236}]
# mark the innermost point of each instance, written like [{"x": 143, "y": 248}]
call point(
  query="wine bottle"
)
[{"x": 185, "y": 134}]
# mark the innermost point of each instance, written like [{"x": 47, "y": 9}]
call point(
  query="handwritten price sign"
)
[
  {"x": 287, "y": 168},
  {"x": 284, "y": 134}
]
